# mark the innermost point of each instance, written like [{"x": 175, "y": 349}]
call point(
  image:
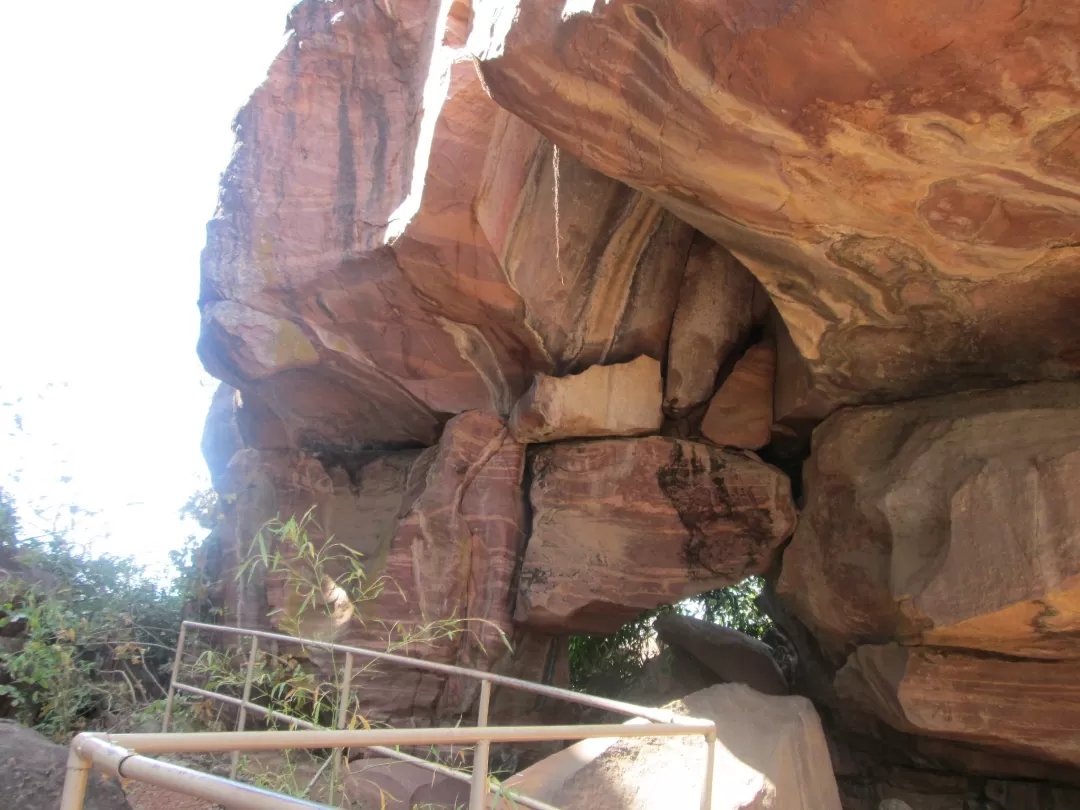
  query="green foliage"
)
[
  {"x": 87, "y": 635},
  {"x": 326, "y": 585},
  {"x": 620, "y": 656},
  {"x": 327, "y": 579}
]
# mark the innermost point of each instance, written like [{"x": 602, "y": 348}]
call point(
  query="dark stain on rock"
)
[
  {"x": 726, "y": 529},
  {"x": 345, "y": 193}
]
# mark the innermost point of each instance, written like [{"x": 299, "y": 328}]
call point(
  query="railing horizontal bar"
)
[
  {"x": 251, "y": 707},
  {"x": 436, "y": 767},
  {"x": 210, "y": 741},
  {"x": 234, "y": 795},
  {"x": 439, "y": 768},
  {"x": 617, "y": 706}
]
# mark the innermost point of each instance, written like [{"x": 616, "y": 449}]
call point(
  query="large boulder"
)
[
  {"x": 732, "y": 656},
  {"x": 623, "y": 525},
  {"x": 392, "y": 248},
  {"x": 439, "y": 531},
  {"x": 619, "y": 400},
  {"x": 32, "y": 770},
  {"x": 712, "y": 319},
  {"x": 770, "y": 753},
  {"x": 1025, "y": 707},
  {"x": 902, "y": 178},
  {"x": 949, "y": 521}
]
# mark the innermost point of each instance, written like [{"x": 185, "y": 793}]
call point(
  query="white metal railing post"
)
[
  {"x": 75, "y": 781},
  {"x": 710, "y": 766},
  {"x": 172, "y": 681},
  {"x": 241, "y": 721},
  {"x": 478, "y": 787},
  {"x": 344, "y": 694}
]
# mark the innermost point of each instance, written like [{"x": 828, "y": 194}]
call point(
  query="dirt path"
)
[{"x": 147, "y": 797}]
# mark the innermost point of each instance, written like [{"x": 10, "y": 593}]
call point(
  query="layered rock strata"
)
[
  {"x": 948, "y": 521},
  {"x": 439, "y": 533},
  {"x": 619, "y": 526},
  {"x": 633, "y": 235},
  {"x": 391, "y": 247},
  {"x": 902, "y": 179},
  {"x": 949, "y": 525}
]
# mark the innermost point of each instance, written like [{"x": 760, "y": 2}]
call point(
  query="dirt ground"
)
[{"x": 147, "y": 797}]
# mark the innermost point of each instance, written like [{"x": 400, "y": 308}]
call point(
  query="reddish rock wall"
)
[
  {"x": 902, "y": 178},
  {"x": 775, "y": 210}
]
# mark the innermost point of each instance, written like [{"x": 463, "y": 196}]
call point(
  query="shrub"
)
[{"x": 88, "y": 637}]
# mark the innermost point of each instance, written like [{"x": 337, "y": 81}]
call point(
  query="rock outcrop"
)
[
  {"x": 379, "y": 260},
  {"x": 440, "y": 532},
  {"x": 1031, "y": 708},
  {"x": 619, "y": 400},
  {"x": 950, "y": 521},
  {"x": 903, "y": 179},
  {"x": 620, "y": 526},
  {"x": 520, "y": 298},
  {"x": 770, "y": 753},
  {"x": 32, "y": 776}
]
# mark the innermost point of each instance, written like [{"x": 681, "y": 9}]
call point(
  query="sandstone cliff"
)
[{"x": 534, "y": 301}]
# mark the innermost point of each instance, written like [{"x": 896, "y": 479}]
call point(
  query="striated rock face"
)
[
  {"x": 949, "y": 521},
  {"x": 453, "y": 229},
  {"x": 907, "y": 188},
  {"x": 440, "y": 531},
  {"x": 740, "y": 414},
  {"x": 620, "y": 526},
  {"x": 379, "y": 260},
  {"x": 1024, "y": 707},
  {"x": 713, "y": 317},
  {"x": 619, "y": 400}
]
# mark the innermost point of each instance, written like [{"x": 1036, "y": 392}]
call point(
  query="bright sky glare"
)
[{"x": 116, "y": 128}]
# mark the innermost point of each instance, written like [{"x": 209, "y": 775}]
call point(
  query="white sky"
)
[{"x": 115, "y": 127}]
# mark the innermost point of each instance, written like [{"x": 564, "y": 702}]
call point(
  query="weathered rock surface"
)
[
  {"x": 392, "y": 248},
  {"x": 713, "y": 317},
  {"x": 950, "y": 521},
  {"x": 905, "y": 184},
  {"x": 623, "y": 525},
  {"x": 732, "y": 656},
  {"x": 1024, "y": 707},
  {"x": 32, "y": 770},
  {"x": 740, "y": 414},
  {"x": 442, "y": 528},
  {"x": 388, "y": 784},
  {"x": 671, "y": 675},
  {"x": 893, "y": 199},
  {"x": 770, "y": 753},
  {"x": 619, "y": 400}
]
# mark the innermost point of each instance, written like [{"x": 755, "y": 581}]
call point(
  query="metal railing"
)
[{"x": 123, "y": 755}]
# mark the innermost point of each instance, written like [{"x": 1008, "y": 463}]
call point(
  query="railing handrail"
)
[
  {"x": 115, "y": 752},
  {"x": 617, "y": 706}
]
